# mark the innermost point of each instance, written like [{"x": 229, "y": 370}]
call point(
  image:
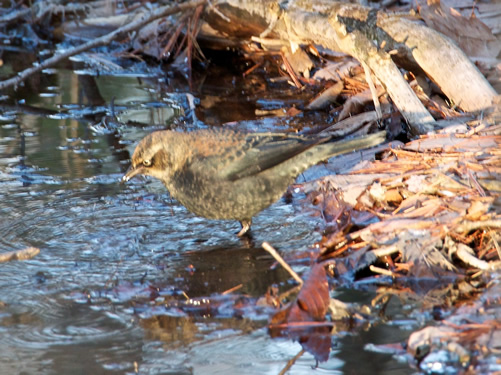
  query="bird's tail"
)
[
  {"x": 345, "y": 146},
  {"x": 296, "y": 165}
]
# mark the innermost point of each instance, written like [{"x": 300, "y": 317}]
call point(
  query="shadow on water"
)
[{"x": 90, "y": 299}]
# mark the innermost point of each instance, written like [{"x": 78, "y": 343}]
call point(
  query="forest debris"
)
[
  {"x": 467, "y": 255},
  {"x": 290, "y": 70},
  {"x": 421, "y": 42},
  {"x": 336, "y": 26},
  {"x": 304, "y": 318},
  {"x": 23, "y": 254},
  {"x": 450, "y": 143},
  {"x": 291, "y": 362},
  {"x": 429, "y": 336},
  {"x": 350, "y": 186},
  {"x": 14, "y": 15},
  {"x": 382, "y": 271},
  {"x": 97, "y": 26},
  {"x": 372, "y": 37},
  {"x": 466, "y": 341},
  {"x": 358, "y": 45},
  {"x": 422, "y": 245},
  {"x": 425, "y": 193},
  {"x": 468, "y": 226}
]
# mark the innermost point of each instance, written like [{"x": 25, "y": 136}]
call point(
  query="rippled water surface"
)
[{"x": 88, "y": 303}]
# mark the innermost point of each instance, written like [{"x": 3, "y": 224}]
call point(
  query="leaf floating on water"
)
[
  {"x": 304, "y": 319},
  {"x": 312, "y": 301}
]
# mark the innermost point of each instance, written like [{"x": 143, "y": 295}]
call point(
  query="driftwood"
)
[{"x": 370, "y": 36}]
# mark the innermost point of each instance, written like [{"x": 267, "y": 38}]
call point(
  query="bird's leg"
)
[{"x": 246, "y": 224}]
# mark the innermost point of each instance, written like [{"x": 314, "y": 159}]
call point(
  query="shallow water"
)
[{"x": 89, "y": 302}]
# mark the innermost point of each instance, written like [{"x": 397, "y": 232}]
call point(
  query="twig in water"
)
[
  {"x": 280, "y": 260},
  {"x": 24, "y": 254}
]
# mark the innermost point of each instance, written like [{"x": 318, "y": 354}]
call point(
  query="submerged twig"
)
[
  {"x": 291, "y": 362},
  {"x": 24, "y": 254},
  {"x": 231, "y": 290},
  {"x": 280, "y": 260}
]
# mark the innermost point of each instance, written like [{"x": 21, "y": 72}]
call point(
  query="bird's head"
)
[{"x": 151, "y": 157}]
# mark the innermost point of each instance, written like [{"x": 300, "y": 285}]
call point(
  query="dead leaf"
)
[
  {"x": 393, "y": 196},
  {"x": 297, "y": 320},
  {"x": 478, "y": 208},
  {"x": 312, "y": 301}
]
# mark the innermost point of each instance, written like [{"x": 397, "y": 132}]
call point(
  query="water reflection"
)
[
  {"x": 60, "y": 193},
  {"x": 90, "y": 299}
]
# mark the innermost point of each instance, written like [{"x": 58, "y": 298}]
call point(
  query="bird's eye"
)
[{"x": 147, "y": 163}]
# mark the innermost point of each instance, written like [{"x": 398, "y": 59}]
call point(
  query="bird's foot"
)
[{"x": 246, "y": 224}]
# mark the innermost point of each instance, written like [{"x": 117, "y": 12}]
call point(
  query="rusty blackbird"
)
[{"x": 225, "y": 174}]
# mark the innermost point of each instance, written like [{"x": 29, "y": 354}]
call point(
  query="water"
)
[{"x": 113, "y": 257}]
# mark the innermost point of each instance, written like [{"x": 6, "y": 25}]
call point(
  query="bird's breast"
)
[{"x": 215, "y": 198}]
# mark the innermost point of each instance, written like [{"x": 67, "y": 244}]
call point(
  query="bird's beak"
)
[{"x": 131, "y": 172}]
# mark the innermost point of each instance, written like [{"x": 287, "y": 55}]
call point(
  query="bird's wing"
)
[{"x": 259, "y": 152}]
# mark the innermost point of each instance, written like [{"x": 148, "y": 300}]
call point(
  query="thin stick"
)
[
  {"x": 280, "y": 260},
  {"x": 467, "y": 226},
  {"x": 372, "y": 87},
  {"x": 381, "y": 271},
  {"x": 467, "y": 255},
  {"x": 105, "y": 39},
  {"x": 24, "y": 254},
  {"x": 291, "y": 362},
  {"x": 496, "y": 245},
  {"x": 231, "y": 290},
  {"x": 289, "y": 70}
]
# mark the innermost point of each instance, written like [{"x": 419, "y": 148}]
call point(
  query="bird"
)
[{"x": 228, "y": 174}]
